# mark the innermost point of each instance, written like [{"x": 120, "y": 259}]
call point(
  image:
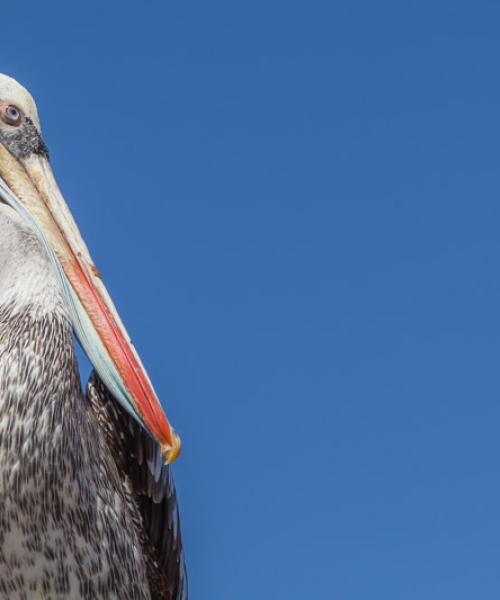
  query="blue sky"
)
[{"x": 296, "y": 208}]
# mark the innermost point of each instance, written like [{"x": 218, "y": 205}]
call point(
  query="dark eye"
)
[{"x": 11, "y": 115}]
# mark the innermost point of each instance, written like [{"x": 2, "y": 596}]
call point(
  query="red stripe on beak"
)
[
  {"x": 33, "y": 183},
  {"x": 120, "y": 352}
]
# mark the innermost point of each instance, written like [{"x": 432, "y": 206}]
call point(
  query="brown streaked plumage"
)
[{"x": 87, "y": 502}]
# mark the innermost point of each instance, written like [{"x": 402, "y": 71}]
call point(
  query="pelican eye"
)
[{"x": 11, "y": 115}]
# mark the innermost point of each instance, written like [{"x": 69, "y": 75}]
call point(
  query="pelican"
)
[{"x": 88, "y": 507}]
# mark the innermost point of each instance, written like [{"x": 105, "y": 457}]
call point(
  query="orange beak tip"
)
[{"x": 171, "y": 452}]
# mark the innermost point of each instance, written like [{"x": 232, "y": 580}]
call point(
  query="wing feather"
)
[{"x": 152, "y": 491}]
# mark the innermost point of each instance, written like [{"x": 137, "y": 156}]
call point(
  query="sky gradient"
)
[{"x": 295, "y": 206}]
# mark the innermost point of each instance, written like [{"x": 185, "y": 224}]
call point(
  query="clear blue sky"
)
[{"x": 296, "y": 206}]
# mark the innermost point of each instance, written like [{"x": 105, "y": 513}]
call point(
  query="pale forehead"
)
[{"x": 11, "y": 91}]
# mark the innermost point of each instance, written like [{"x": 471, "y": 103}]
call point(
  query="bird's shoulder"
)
[{"x": 150, "y": 487}]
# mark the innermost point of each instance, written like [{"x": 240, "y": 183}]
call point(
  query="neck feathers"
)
[{"x": 27, "y": 278}]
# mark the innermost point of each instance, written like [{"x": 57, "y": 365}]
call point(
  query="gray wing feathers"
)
[{"x": 151, "y": 486}]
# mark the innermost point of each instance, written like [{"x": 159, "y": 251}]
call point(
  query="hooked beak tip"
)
[
  {"x": 171, "y": 451},
  {"x": 98, "y": 324}
]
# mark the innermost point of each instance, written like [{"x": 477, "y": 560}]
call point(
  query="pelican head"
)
[{"x": 28, "y": 185}]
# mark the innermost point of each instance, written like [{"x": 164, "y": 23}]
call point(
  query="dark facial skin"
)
[
  {"x": 21, "y": 138},
  {"x": 24, "y": 140}
]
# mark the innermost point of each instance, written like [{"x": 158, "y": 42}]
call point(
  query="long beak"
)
[{"x": 96, "y": 321}]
